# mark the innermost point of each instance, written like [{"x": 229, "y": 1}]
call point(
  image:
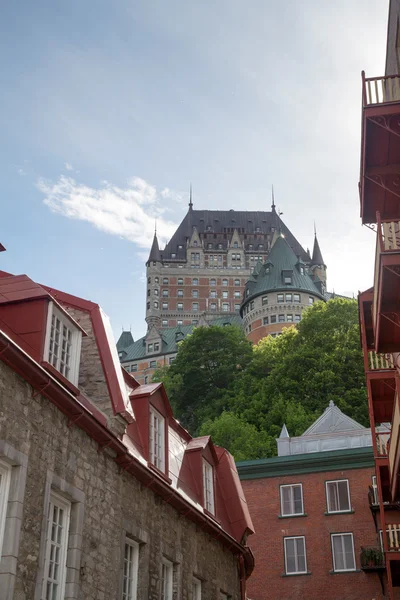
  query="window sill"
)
[
  {"x": 63, "y": 380},
  {"x": 295, "y": 574},
  {"x": 340, "y": 512},
  {"x": 345, "y": 572},
  {"x": 292, "y": 516},
  {"x": 160, "y": 473},
  {"x": 213, "y": 517}
]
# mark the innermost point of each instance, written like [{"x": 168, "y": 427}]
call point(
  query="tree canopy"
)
[{"x": 221, "y": 385}]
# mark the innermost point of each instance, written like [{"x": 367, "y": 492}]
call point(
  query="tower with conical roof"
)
[
  {"x": 153, "y": 273},
  {"x": 277, "y": 292},
  {"x": 317, "y": 266}
]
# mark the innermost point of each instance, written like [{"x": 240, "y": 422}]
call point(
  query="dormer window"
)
[
  {"x": 287, "y": 277},
  {"x": 235, "y": 245},
  {"x": 195, "y": 243},
  {"x": 208, "y": 486},
  {"x": 157, "y": 439},
  {"x": 63, "y": 344}
]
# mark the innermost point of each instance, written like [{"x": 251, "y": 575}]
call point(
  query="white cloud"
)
[
  {"x": 68, "y": 166},
  {"x": 127, "y": 212}
]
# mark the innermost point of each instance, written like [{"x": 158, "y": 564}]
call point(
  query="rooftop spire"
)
[
  {"x": 317, "y": 254},
  {"x": 154, "y": 255},
  {"x": 273, "y": 199},
  {"x": 190, "y": 198}
]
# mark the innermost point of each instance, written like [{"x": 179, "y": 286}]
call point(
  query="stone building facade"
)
[
  {"x": 103, "y": 495},
  {"x": 314, "y": 510}
]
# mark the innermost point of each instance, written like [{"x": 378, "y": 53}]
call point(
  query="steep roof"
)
[
  {"x": 317, "y": 254},
  {"x": 270, "y": 276},
  {"x": 125, "y": 340},
  {"x": 155, "y": 251},
  {"x": 170, "y": 340},
  {"x": 221, "y": 220}
]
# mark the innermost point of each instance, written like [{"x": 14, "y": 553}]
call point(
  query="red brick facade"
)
[{"x": 269, "y": 581}]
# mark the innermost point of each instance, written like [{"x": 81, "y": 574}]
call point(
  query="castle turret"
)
[
  {"x": 153, "y": 271},
  {"x": 318, "y": 267}
]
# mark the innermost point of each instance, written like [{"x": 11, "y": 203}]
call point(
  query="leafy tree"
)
[
  {"x": 207, "y": 363},
  {"x": 243, "y": 440}
]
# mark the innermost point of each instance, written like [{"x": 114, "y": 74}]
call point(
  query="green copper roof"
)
[
  {"x": 332, "y": 460},
  {"x": 125, "y": 340},
  {"x": 137, "y": 350},
  {"x": 270, "y": 276}
]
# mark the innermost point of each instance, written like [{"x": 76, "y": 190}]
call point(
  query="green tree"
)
[
  {"x": 207, "y": 364},
  {"x": 242, "y": 439}
]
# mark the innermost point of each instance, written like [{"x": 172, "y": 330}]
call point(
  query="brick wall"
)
[
  {"x": 268, "y": 581},
  {"x": 113, "y": 503}
]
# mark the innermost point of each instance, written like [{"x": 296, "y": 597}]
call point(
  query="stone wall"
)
[{"x": 107, "y": 504}]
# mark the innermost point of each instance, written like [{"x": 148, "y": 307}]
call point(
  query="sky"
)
[{"x": 110, "y": 108}]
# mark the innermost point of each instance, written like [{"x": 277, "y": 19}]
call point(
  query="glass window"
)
[
  {"x": 237, "y": 294},
  {"x": 153, "y": 364},
  {"x": 296, "y": 297},
  {"x": 146, "y": 380},
  {"x": 149, "y": 280},
  {"x": 195, "y": 281},
  {"x": 273, "y": 318},
  {"x": 195, "y": 306},
  {"x": 148, "y": 293},
  {"x": 131, "y": 567},
  {"x": 195, "y": 293},
  {"x": 165, "y": 280},
  {"x": 343, "y": 552},
  {"x": 225, "y": 307},
  {"x": 295, "y": 555},
  {"x": 5, "y": 477},
  {"x": 157, "y": 449},
  {"x": 180, "y": 281},
  {"x": 155, "y": 292},
  {"x": 180, "y": 293},
  {"x": 166, "y": 579},
  {"x": 165, "y": 305},
  {"x": 179, "y": 306},
  {"x": 297, "y": 318},
  {"x": 55, "y": 566},
  {"x": 225, "y": 282},
  {"x": 164, "y": 323},
  {"x": 288, "y": 297},
  {"x": 213, "y": 282},
  {"x": 196, "y": 589},
  {"x": 289, "y": 318},
  {"x": 213, "y": 306},
  {"x": 213, "y": 293},
  {"x": 338, "y": 496},
  {"x": 171, "y": 360},
  {"x": 134, "y": 368},
  {"x": 63, "y": 344},
  {"x": 195, "y": 322},
  {"x": 265, "y": 321},
  {"x": 280, "y": 298},
  {"x": 310, "y": 300},
  {"x": 281, "y": 318},
  {"x": 195, "y": 243},
  {"x": 292, "y": 499},
  {"x": 252, "y": 305},
  {"x": 165, "y": 293},
  {"x": 208, "y": 486},
  {"x": 155, "y": 304},
  {"x": 179, "y": 322},
  {"x": 237, "y": 306},
  {"x": 237, "y": 281},
  {"x": 264, "y": 300},
  {"x": 287, "y": 279},
  {"x": 150, "y": 348},
  {"x": 224, "y": 294},
  {"x": 156, "y": 280},
  {"x": 173, "y": 255}
]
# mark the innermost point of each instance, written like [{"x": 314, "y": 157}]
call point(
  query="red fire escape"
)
[{"x": 380, "y": 307}]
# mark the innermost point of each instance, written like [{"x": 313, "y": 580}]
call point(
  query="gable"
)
[{"x": 333, "y": 420}]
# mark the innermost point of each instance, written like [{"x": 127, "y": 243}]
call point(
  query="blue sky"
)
[{"x": 109, "y": 109}]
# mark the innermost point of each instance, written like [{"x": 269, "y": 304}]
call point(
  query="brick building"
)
[
  {"x": 380, "y": 305},
  {"x": 103, "y": 495},
  {"x": 313, "y": 509}
]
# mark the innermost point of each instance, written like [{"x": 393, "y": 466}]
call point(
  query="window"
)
[
  {"x": 224, "y": 294},
  {"x": 195, "y": 243},
  {"x": 297, "y": 318},
  {"x": 237, "y": 306},
  {"x": 195, "y": 281},
  {"x": 310, "y": 300},
  {"x": 166, "y": 579},
  {"x": 302, "y": 270},
  {"x": 155, "y": 304},
  {"x": 150, "y": 348},
  {"x": 165, "y": 293},
  {"x": 249, "y": 328},
  {"x": 157, "y": 426},
  {"x": 213, "y": 293},
  {"x": 287, "y": 279},
  {"x": 280, "y": 298},
  {"x": 156, "y": 346},
  {"x": 180, "y": 293},
  {"x": 267, "y": 270},
  {"x": 289, "y": 318},
  {"x": 196, "y": 589},
  {"x": 235, "y": 245},
  {"x": 133, "y": 368},
  {"x": 55, "y": 565},
  {"x": 195, "y": 322},
  {"x": 209, "y": 246},
  {"x": 213, "y": 282},
  {"x": 5, "y": 476},
  {"x": 155, "y": 292},
  {"x": 225, "y": 282},
  {"x": 164, "y": 323},
  {"x": 281, "y": 318},
  {"x": 148, "y": 293},
  {"x": 252, "y": 305},
  {"x": 195, "y": 306},
  {"x": 165, "y": 280},
  {"x": 63, "y": 344},
  {"x": 153, "y": 364},
  {"x": 225, "y": 307},
  {"x": 180, "y": 281},
  {"x": 173, "y": 255},
  {"x": 131, "y": 567},
  {"x": 208, "y": 486},
  {"x": 171, "y": 360},
  {"x": 179, "y": 306},
  {"x": 265, "y": 321},
  {"x": 219, "y": 246},
  {"x": 149, "y": 280},
  {"x": 292, "y": 499},
  {"x": 156, "y": 279},
  {"x": 375, "y": 490},
  {"x": 273, "y": 318},
  {"x": 338, "y": 496},
  {"x": 223, "y": 596},
  {"x": 264, "y": 300},
  {"x": 296, "y": 297},
  {"x": 146, "y": 380},
  {"x": 295, "y": 555},
  {"x": 343, "y": 552},
  {"x": 165, "y": 305},
  {"x": 195, "y": 293},
  {"x": 237, "y": 281},
  {"x": 179, "y": 322},
  {"x": 213, "y": 306},
  {"x": 236, "y": 294},
  {"x": 288, "y": 297}
]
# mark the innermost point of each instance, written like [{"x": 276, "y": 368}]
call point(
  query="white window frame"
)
[
  {"x": 295, "y": 537},
  {"x": 157, "y": 457},
  {"x": 196, "y": 588},
  {"x": 291, "y": 486},
  {"x": 131, "y": 570},
  {"x": 166, "y": 579},
  {"x": 208, "y": 487},
  {"x": 333, "y": 553},
  {"x": 76, "y": 340},
  {"x": 336, "y": 481},
  {"x": 5, "y": 478},
  {"x": 57, "y": 501}
]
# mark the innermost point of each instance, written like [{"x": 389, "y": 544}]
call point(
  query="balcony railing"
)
[
  {"x": 372, "y": 558},
  {"x": 381, "y": 90},
  {"x": 393, "y": 537},
  {"x": 373, "y": 495},
  {"x": 380, "y": 362},
  {"x": 382, "y": 443}
]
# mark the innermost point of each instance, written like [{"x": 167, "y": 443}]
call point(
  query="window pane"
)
[
  {"x": 343, "y": 495},
  {"x": 290, "y": 556},
  {"x": 333, "y": 500},
  {"x": 348, "y": 552},
  {"x": 297, "y": 499},
  {"x": 301, "y": 556},
  {"x": 338, "y": 553},
  {"x": 286, "y": 504}
]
